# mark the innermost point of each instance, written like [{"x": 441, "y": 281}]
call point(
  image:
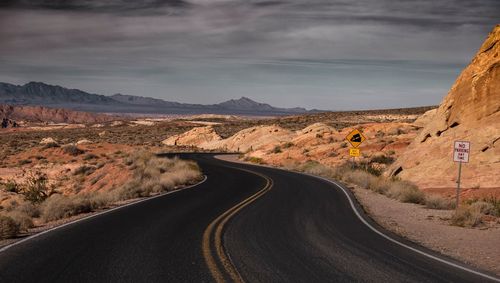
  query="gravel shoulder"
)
[{"x": 431, "y": 228}]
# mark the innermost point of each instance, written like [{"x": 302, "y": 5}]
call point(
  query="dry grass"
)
[
  {"x": 438, "y": 202},
  {"x": 150, "y": 174},
  {"x": 8, "y": 227}
]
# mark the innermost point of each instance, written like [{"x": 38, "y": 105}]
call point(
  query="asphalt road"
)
[{"x": 244, "y": 223}]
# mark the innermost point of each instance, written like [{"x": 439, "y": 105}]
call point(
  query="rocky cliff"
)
[{"x": 471, "y": 112}]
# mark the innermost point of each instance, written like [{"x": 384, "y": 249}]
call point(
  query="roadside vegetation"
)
[
  {"x": 471, "y": 213},
  {"x": 35, "y": 201}
]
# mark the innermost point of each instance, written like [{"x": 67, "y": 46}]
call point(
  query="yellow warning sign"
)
[
  {"x": 355, "y": 138},
  {"x": 354, "y": 152}
]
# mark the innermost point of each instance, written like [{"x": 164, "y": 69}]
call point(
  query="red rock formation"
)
[{"x": 470, "y": 111}]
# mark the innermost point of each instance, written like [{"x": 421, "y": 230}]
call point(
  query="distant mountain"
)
[
  {"x": 246, "y": 104},
  {"x": 40, "y": 93},
  {"x": 37, "y": 93}
]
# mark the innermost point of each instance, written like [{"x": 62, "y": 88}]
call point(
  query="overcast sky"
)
[{"x": 324, "y": 54}]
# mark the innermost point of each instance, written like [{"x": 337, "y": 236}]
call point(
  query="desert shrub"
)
[
  {"x": 35, "y": 189},
  {"x": 276, "y": 149},
  {"x": 10, "y": 186},
  {"x": 495, "y": 203},
  {"x": 380, "y": 185},
  {"x": 72, "y": 150},
  {"x": 256, "y": 160},
  {"x": 360, "y": 178},
  {"x": 89, "y": 156},
  {"x": 288, "y": 145},
  {"x": 406, "y": 192},
  {"x": 383, "y": 159},
  {"x": 8, "y": 227},
  {"x": 365, "y": 166},
  {"x": 316, "y": 168},
  {"x": 466, "y": 216},
  {"x": 25, "y": 161},
  {"x": 23, "y": 220},
  {"x": 84, "y": 170},
  {"x": 438, "y": 202},
  {"x": 50, "y": 145},
  {"x": 58, "y": 206},
  {"x": 483, "y": 207},
  {"x": 153, "y": 174}
]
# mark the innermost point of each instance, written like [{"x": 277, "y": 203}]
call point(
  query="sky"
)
[{"x": 318, "y": 54}]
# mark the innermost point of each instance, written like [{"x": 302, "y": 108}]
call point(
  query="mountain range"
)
[{"x": 41, "y": 94}]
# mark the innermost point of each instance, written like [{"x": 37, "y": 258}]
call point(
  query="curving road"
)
[{"x": 244, "y": 223}]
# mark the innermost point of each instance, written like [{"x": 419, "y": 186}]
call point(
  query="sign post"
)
[{"x": 461, "y": 150}]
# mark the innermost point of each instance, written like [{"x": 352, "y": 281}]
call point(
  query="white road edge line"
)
[
  {"x": 98, "y": 214},
  {"x": 396, "y": 241}
]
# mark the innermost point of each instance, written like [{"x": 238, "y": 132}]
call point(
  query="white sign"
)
[{"x": 461, "y": 151}]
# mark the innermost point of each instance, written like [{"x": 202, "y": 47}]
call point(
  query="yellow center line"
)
[{"x": 218, "y": 224}]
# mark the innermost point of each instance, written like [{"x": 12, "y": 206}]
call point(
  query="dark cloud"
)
[
  {"x": 312, "y": 51},
  {"x": 93, "y": 5}
]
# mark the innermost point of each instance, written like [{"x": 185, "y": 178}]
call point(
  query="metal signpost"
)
[{"x": 461, "y": 150}]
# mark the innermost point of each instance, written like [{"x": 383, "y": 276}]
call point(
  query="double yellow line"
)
[{"x": 218, "y": 262}]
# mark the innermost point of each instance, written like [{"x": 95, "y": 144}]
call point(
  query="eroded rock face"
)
[
  {"x": 199, "y": 137},
  {"x": 253, "y": 138},
  {"x": 470, "y": 111}
]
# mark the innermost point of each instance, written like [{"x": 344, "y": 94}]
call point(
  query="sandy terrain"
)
[{"x": 430, "y": 227}]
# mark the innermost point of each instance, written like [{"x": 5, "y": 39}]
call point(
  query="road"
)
[{"x": 244, "y": 223}]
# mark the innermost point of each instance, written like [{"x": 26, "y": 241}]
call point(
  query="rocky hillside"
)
[
  {"x": 37, "y": 93},
  {"x": 44, "y": 114},
  {"x": 471, "y": 112}
]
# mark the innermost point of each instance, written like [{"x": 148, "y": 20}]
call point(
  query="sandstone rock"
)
[
  {"x": 84, "y": 141},
  {"x": 253, "y": 138},
  {"x": 470, "y": 111},
  {"x": 48, "y": 140},
  {"x": 199, "y": 136}
]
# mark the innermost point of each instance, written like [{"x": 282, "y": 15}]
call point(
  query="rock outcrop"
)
[
  {"x": 199, "y": 136},
  {"x": 253, "y": 138},
  {"x": 470, "y": 111}
]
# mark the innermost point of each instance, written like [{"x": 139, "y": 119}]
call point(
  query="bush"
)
[
  {"x": 288, "y": 145},
  {"x": 11, "y": 186},
  {"x": 438, "y": 202},
  {"x": 8, "y": 227},
  {"x": 84, "y": 170},
  {"x": 89, "y": 156},
  {"x": 58, "y": 206},
  {"x": 50, "y": 145},
  {"x": 154, "y": 175},
  {"x": 35, "y": 190},
  {"x": 23, "y": 220},
  {"x": 406, "y": 192},
  {"x": 256, "y": 160},
  {"x": 276, "y": 149},
  {"x": 466, "y": 216},
  {"x": 72, "y": 150},
  {"x": 382, "y": 159}
]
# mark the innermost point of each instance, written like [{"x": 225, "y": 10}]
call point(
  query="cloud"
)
[{"x": 183, "y": 47}]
